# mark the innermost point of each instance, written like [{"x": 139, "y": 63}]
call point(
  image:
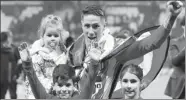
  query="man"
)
[
  {"x": 177, "y": 80},
  {"x": 4, "y": 64},
  {"x": 176, "y": 84},
  {"x": 93, "y": 23},
  {"x": 63, "y": 79},
  {"x": 13, "y": 69},
  {"x": 16, "y": 66}
]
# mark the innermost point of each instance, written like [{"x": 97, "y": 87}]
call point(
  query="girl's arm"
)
[{"x": 36, "y": 86}]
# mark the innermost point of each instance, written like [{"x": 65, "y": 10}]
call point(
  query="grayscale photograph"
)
[{"x": 97, "y": 49}]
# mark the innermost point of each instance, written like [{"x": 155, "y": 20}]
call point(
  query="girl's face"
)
[
  {"x": 131, "y": 86},
  {"x": 51, "y": 38}
]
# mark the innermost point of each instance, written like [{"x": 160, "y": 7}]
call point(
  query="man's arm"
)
[
  {"x": 179, "y": 59},
  {"x": 87, "y": 82},
  {"x": 157, "y": 38},
  {"x": 140, "y": 48}
]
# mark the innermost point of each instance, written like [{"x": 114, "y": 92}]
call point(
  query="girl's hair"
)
[
  {"x": 133, "y": 69},
  {"x": 50, "y": 21}
]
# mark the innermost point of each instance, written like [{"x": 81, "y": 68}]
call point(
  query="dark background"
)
[{"x": 23, "y": 17}]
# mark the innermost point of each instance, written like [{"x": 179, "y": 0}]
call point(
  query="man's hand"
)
[
  {"x": 95, "y": 54},
  {"x": 174, "y": 7}
]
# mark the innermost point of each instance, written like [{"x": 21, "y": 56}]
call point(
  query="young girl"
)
[
  {"x": 131, "y": 81},
  {"x": 52, "y": 52}
]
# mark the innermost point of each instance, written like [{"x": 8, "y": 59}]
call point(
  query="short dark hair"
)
[
  {"x": 132, "y": 68},
  {"x": 4, "y": 36},
  {"x": 94, "y": 10},
  {"x": 65, "y": 71}
]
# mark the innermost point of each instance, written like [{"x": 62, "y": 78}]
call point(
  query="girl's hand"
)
[
  {"x": 25, "y": 55},
  {"x": 23, "y": 51}
]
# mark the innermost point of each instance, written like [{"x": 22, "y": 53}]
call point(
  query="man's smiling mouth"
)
[{"x": 129, "y": 91}]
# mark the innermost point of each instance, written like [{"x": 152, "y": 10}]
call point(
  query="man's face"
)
[
  {"x": 6, "y": 43},
  {"x": 131, "y": 85},
  {"x": 64, "y": 88},
  {"x": 92, "y": 26},
  {"x": 51, "y": 37}
]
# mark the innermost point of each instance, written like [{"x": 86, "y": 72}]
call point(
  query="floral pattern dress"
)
[{"x": 44, "y": 69}]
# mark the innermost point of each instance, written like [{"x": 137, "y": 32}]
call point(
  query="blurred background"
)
[{"x": 23, "y": 19}]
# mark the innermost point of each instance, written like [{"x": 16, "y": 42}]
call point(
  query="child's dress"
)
[{"x": 44, "y": 64}]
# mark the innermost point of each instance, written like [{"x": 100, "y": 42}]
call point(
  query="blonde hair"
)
[{"x": 50, "y": 21}]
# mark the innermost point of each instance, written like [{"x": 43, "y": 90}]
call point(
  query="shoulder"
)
[
  {"x": 38, "y": 42},
  {"x": 75, "y": 94},
  {"x": 107, "y": 38},
  {"x": 36, "y": 46},
  {"x": 61, "y": 59},
  {"x": 77, "y": 45}
]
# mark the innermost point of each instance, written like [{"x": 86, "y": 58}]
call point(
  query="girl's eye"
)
[
  {"x": 56, "y": 35},
  {"x": 49, "y": 35},
  {"x": 125, "y": 80}
]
